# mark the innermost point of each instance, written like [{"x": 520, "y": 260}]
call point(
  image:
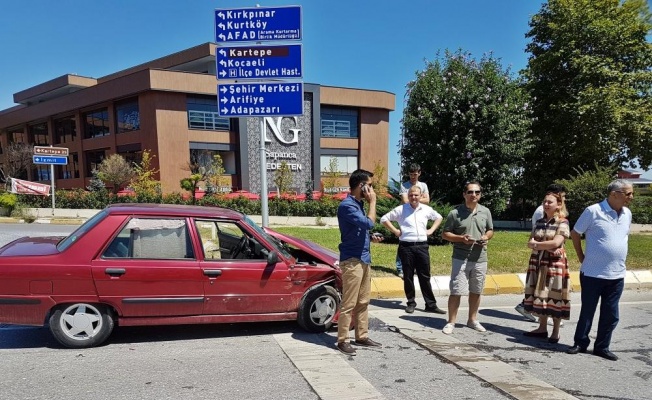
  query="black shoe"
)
[
  {"x": 435, "y": 310},
  {"x": 409, "y": 309},
  {"x": 553, "y": 340},
  {"x": 576, "y": 349},
  {"x": 367, "y": 343},
  {"x": 346, "y": 348},
  {"x": 605, "y": 354}
]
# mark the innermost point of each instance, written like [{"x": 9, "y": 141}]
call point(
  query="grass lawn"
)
[{"x": 507, "y": 251}]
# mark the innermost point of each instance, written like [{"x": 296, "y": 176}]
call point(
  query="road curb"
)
[{"x": 392, "y": 287}]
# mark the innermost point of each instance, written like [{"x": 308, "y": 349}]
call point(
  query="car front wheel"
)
[
  {"x": 318, "y": 308},
  {"x": 81, "y": 325}
]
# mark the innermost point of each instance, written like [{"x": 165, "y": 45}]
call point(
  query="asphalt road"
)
[{"x": 280, "y": 361}]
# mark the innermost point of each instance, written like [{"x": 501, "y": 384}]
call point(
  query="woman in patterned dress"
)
[{"x": 547, "y": 290}]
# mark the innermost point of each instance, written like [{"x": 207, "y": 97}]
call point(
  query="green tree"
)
[
  {"x": 330, "y": 173},
  {"x": 466, "y": 120},
  {"x": 115, "y": 171},
  {"x": 589, "y": 75},
  {"x": 586, "y": 188},
  {"x": 144, "y": 182},
  {"x": 283, "y": 177}
]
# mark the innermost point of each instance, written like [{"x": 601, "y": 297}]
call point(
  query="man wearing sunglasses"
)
[
  {"x": 469, "y": 227},
  {"x": 605, "y": 226}
]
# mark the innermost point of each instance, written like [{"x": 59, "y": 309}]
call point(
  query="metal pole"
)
[
  {"x": 263, "y": 175},
  {"x": 52, "y": 184}
]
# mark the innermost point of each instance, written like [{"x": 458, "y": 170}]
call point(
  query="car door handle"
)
[
  {"x": 213, "y": 272},
  {"x": 115, "y": 272}
]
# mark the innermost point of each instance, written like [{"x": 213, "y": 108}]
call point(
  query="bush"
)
[
  {"x": 8, "y": 201},
  {"x": 641, "y": 208},
  {"x": 586, "y": 188}
]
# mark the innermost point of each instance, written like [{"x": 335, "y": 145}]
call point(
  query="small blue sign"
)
[
  {"x": 259, "y": 62},
  {"x": 50, "y": 160},
  {"x": 269, "y": 99},
  {"x": 257, "y": 24}
]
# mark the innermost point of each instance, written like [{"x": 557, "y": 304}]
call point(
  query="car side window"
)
[
  {"x": 152, "y": 238},
  {"x": 225, "y": 240}
]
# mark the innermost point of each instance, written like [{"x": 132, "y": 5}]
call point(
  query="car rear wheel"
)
[
  {"x": 318, "y": 308},
  {"x": 81, "y": 325}
]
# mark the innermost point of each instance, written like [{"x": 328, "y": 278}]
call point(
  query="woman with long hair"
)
[{"x": 547, "y": 287}]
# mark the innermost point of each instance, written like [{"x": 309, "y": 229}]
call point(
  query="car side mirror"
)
[{"x": 272, "y": 257}]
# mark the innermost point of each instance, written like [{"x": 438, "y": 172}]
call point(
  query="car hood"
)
[
  {"x": 31, "y": 246},
  {"x": 326, "y": 256}
]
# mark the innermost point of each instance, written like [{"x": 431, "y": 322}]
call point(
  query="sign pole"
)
[
  {"x": 264, "y": 208},
  {"x": 52, "y": 185}
]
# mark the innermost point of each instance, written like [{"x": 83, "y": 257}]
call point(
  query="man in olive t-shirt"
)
[{"x": 469, "y": 227}]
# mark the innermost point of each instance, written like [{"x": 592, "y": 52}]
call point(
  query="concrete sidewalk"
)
[{"x": 392, "y": 287}]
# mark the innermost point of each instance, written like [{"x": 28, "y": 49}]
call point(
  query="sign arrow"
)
[
  {"x": 223, "y": 89},
  {"x": 221, "y": 15},
  {"x": 221, "y": 26},
  {"x": 221, "y": 36},
  {"x": 222, "y": 52},
  {"x": 222, "y": 73},
  {"x": 225, "y": 110},
  {"x": 223, "y": 63},
  {"x": 224, "y": 100}
]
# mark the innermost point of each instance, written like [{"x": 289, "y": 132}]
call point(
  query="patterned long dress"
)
[{"x": 547, "y": 290}]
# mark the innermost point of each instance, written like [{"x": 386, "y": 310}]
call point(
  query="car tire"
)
[
  {"x": 318, "y": 308},
  {"x": 81, "y": 325}
]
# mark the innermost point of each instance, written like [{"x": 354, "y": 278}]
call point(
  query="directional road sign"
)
[
  {"x": 268, "y": 99},
  {"x": 51, "y": 151},
  {"x": 257, "y": 24},
  {"x": 56, "y": 160},
  {"x": 259, "y": 62}
]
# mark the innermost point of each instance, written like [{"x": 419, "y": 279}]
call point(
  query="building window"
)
[
  {"x": 41, "y": 172},
  {"x": 93, "y": 160},
  {"x": 71, "y": 170},
  {"x": 65, "y": 130},
  {"x": 96, "y": 123},
  {"x": 39, "y": 134},
  {"x": 345, "y": 165},
  {"x": 131, "y": 152},
  {"x": 17, "y": 135},
  {"x": 339, "y": 122},
  {"x": 127, "y": 116},
  {"x": 203, "y": 114}
]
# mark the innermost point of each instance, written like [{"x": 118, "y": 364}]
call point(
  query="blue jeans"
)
[
  {"x": 608, "y": 292},
  {"x": 399, "y": 264}
]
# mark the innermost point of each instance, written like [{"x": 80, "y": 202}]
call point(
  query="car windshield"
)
[
  {"x": 79, "y": 232},
  {"x": 279, "y": 246}
]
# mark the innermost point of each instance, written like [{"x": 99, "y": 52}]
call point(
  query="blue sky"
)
[{"x": 377, "y": 44}]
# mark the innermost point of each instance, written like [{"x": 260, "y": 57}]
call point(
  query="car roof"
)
[{"x": 180, "y": 210}]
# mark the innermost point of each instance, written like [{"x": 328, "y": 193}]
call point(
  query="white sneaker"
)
[
  {"x": 448, "y": 329},
  {"x": 476, "y": 326},
  {"x": 521, "y": 310}
]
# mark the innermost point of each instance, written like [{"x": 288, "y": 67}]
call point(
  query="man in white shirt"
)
[
  {"x": 415, "y": 173},
  {"x": 602, "y": 274},
  {"x": 413, "y": 235}
]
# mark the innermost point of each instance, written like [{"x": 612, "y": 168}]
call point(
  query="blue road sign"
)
[
  {"x": 50, "y": 160},
  {"x": 259, "y": 62},
  {"x": 257, "y": 24},
  {"x": 268, "y": 99}
]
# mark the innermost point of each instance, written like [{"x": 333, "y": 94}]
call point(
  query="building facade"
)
[{"x": 169, "y": 107}]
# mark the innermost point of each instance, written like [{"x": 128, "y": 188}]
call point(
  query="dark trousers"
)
[
  {"x": 608, "y": 292},
  {"x": 416, "y": 259}
]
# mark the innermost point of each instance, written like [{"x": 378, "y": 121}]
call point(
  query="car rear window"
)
[{"x": 79, "y": 232}]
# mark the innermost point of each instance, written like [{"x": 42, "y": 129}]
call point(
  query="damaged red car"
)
[{"x": 135, "y": 264}]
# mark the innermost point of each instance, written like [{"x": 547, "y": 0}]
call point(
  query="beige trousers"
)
[{"x": 356, "y": 282}]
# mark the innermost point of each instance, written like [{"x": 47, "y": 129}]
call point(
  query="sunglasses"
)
[
  {"x": 627, "y": 194},
  {"x": 473, "y": 191}
]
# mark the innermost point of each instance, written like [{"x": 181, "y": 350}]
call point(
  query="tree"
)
[
  {"x": 116, "y": 171},
  {"x": 216, "y": 178},
  {"x": 19, "y": 160},
  {"x": 283, "y": 178},
  {"x": 379, "y": 184},
  {"x": 144, "y": 181},
  {"x": 331, "y": 175},
  {"x": 590, "y": 75},
  {"x": 466, "y": 120}
]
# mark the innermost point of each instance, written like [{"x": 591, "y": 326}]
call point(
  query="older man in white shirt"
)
[
  {"x": 413, "y": 233},
  {"x": 605, "y": 226}
]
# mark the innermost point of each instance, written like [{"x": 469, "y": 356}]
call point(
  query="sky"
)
[{"x": 367, "y": 44}]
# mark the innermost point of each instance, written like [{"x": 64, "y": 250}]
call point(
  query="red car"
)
[{"x": 135, "y": 264}]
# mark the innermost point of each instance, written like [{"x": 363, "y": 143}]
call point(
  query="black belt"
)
[{"x": 410, "y": 244}]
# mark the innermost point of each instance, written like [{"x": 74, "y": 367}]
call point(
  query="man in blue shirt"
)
[
  {"x": 355, "y": 260},
  {"x": 602, "y": 274}
]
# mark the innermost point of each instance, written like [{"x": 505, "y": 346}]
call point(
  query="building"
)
[
  {"x": 169, "y": 107},
  {"x": 642, "y": 185}
]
